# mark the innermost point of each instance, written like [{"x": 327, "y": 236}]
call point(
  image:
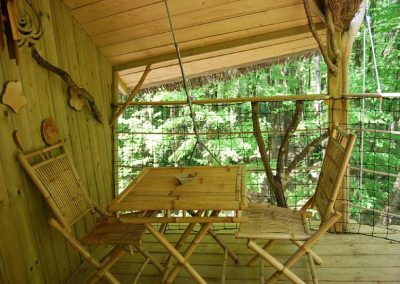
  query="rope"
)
[
  {"x": 368, "y": 21},
  {"x": 199, "y": 142}
]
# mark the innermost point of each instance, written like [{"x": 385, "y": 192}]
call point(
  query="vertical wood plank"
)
[{"x": 31, "y": 252}]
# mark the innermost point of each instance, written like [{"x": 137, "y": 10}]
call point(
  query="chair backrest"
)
[
  {"x": 55, "y": 176},
  {"x": 334, "y": 165}
]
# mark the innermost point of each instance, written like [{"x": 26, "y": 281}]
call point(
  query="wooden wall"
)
[{"x": 31, "y": 252}]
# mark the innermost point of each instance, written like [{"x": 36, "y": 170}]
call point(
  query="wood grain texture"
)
[
  {"x": 136, "y": 33},
  {"x": 348, "y": 258},
  {"x": 34, "y": 253}
]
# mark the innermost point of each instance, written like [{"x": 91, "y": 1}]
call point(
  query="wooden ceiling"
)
[{"x": 213, "y": 35}]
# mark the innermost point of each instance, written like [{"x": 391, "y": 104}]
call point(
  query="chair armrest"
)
[
  {"x": 309, "y": 204},
  {"x": 100, "y": 210}
]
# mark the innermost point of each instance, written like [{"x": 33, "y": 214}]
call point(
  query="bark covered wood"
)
[{"x": 71, "y": 84}]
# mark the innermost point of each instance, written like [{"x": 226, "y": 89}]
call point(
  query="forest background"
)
[{"x": 163, "y": 135}]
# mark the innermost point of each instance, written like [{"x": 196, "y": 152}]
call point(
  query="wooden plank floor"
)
[{"x": 348, "y": 258}]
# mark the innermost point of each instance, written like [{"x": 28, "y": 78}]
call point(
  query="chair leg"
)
[
  {"x": 231, "y": 253},
  {"x": 83, "y": 251},
  {"x": 253, "y": 261},
  {"x": 261, "y": 270},
  {"x": 307, "y": 244},
  {"x": 317, "y": 259},
  {"x": 151, "y": 258},
  {"x": 312, "y": 268},
  {"x": 112, "y": 258},
  {"x": 139, "y": 273},
  {"x": 224, "y": 265},
  {"x": 281, "y": 269}
]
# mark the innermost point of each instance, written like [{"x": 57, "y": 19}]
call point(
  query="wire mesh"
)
[{"x": 153, "y": 136}]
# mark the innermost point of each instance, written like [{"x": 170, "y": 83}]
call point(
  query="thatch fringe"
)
[{"x": 229, "y": 74}]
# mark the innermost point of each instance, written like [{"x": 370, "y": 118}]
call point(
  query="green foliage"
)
[
  {"x": 385, "y": 25},
  {"x": 163, "y": 136}
]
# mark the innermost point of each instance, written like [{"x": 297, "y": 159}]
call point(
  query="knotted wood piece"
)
[
  {"x": 71, "y": 84},
  {"x": 12, "y": 96}
]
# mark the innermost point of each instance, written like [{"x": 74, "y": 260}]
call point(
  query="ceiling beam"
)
[
  {"x": 219, "y": 46},
  {"x": 315, "y": 6},
  {"x": 122, "y": 87}
]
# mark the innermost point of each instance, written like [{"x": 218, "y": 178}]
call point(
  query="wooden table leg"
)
[
  {"x": 231, "y": 253},
  {"x": 181, "y": 259},
  {"x": 205, "y": 227},
  {"x": 181, "y": 241},
  {"x": 197, "y": 239}
]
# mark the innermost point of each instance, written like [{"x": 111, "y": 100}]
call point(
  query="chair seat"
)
[
  {"x": 271, "y": 222},
  {"x": 106, "y": 232}
]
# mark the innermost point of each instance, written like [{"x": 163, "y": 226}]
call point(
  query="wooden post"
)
[
  {"x": 339, "y": 105},
  {"x": 114, "y": 156}
]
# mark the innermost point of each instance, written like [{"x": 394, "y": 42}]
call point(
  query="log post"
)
[{"x": 338, "y": 105}]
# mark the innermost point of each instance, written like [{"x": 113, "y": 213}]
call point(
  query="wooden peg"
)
[{"x": 17, "y": 140}]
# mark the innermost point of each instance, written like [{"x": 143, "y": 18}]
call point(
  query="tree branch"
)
[
  {"x": 283, "y": 150},
  {"x": 331, "y": 30},
  {"x": 71, "y": 84},
  {"x": 131, "y": 95},
  {"x": 274, "y": 182},
  {"x": 304, "y": 152},
  {"x": 260, "y": 142},
  {"x": 331, "y": 66}
]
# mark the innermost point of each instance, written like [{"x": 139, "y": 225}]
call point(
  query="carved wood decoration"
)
[
  {"x": 50, "y": 132},
  {"x": 12, "y": 96},
  {"x": 75, "y": 101},
  {"x": 19, "y": 29},
  {"x": 81, "y": 92},
  {"x": 30, "y": 27}
]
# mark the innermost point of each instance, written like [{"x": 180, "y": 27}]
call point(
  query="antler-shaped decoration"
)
[{"x": 83, "y": 93}]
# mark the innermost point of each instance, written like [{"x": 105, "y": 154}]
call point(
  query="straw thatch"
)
[
  {"x": 343, "y": 11},
  {"x": 228, "y": 74}
]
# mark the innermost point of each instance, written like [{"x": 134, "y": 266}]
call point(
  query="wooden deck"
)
[{"x": 349, "y": 258}]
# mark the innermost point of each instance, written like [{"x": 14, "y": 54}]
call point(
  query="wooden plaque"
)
[{"x": 50, "y": 132}]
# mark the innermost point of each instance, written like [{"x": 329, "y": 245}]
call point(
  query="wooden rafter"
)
[{"x": 220, "y": 46}]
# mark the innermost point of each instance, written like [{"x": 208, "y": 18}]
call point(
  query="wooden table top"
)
[{"x": 185, "y": 188}]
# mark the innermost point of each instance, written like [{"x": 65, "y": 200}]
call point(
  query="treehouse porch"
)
[{"x": 123, "y": 85}]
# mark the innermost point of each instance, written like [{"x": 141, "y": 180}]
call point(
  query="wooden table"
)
[{"x": 187, "y": 189}]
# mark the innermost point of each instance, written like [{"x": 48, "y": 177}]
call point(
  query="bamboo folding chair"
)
[
  {"x": 271, "y": 223},
  {"x": 56, "y": 178}
]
